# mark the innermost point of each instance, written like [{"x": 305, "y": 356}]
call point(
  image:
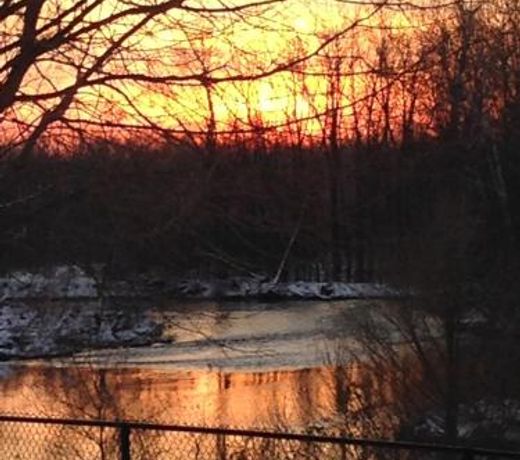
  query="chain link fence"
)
[{"x": 25, "y": 438}]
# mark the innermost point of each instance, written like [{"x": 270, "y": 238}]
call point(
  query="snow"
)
[
  {"x": 57, "y": 282},
  {"x": 44, "y": 330},
  {"x": 37, "y": 319},
  {"x": 305, "y": 290},
  {"x": 67, "y": 282},
  {"x": 482, "y": 418}
]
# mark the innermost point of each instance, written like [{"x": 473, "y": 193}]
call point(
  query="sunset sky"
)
[{"x": 211, "y": 47}]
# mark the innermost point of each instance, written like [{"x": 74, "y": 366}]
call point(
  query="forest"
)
[{"x": 382, "y": 142}]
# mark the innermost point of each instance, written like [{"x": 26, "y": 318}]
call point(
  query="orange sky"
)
[{"x": 181, "y": 44}]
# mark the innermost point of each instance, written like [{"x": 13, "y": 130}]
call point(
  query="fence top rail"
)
[{"x": 363, "y": 442}]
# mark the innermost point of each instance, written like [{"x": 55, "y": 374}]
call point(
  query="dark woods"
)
[{"x": 238, "y": 211}]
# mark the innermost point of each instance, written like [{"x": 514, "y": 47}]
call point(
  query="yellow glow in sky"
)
[{"x": 181, "y": 44}]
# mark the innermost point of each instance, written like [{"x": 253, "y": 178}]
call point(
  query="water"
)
[
  {"x": 245, "y": 336},
  {"x": 289, "y": 366}
]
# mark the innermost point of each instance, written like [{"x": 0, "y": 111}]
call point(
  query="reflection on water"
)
[
  {"x": 331, "y": 397},
  {"x": 331, "y": 400},
  {"x": 291, "y": 399}
]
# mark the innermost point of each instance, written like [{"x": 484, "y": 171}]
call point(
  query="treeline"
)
[{"x": 243, "y": 212}]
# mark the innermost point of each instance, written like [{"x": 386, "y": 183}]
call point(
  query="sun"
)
[
  {"x": 303, "y": 25},
  {"x": 269, "y": 100}
]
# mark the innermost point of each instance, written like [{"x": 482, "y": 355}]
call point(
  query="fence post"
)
[
  {"x": 124, "y": 442},
  {"x": 221, "y": 447}
]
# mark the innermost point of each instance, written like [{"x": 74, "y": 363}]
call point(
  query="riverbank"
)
[
  {"x": 64, "y": 310},
  {"x": 52, "y": 329},
  {"x": 184, "y": 334},
  {"x": 73, "y": 282}
]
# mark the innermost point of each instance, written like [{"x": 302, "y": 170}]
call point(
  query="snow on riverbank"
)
[
  {"x": 68, "y": 282},
  {"x": 28, "y": 331},
  {"x": 245, "y": 287},
  {"x": 496, "y": 422},
  {"x": 31, "y": 325},
  {"x": 58, "y": 282}
]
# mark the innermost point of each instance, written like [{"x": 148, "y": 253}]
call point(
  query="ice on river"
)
[{"x": 247, "y": 335}]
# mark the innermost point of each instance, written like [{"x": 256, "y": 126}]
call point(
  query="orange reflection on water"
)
[
  {"x": 293, "y": 399},
  {"x": 333, "y": 400}
]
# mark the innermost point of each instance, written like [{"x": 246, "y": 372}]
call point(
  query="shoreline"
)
[{"x": 74, "y": 283}]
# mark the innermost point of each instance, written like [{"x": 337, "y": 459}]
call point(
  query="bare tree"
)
[{"x": 68, "y": 48}]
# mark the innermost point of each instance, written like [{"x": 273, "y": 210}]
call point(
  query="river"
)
[{"x": 295, "y": 366}]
